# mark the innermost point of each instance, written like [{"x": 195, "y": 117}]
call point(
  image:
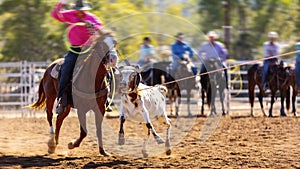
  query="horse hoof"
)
[
  {"x": 121, "y": 139},
  {"x": 71, "y": 145},
  {"x": 283, "y": 115},
  {"x": 145, "y": 154},
  {"x": 159, "y": 140},
  {"x": 104, "y": 153},
  {"x": 51, "y": 146},
  {"x": 168, "y": 152}
]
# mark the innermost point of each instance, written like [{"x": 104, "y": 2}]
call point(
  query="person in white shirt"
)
[
  {"x": 213, "y": 49},
  {"x": 271, "y": 48},
  {"x": 147, "y": 54}
]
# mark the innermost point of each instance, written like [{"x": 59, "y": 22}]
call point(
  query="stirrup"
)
[{"x": 59, "y": 108}]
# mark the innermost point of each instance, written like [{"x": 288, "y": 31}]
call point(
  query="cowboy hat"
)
[
  {"x": 80, "y": 5},
  {"x": 179, "y": 35},
  {"x": 272, "y": 35},
  {"x": 212, "y": 34}
]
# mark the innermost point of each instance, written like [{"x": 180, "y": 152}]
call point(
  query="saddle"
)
[{"x": 56, "y": 69}]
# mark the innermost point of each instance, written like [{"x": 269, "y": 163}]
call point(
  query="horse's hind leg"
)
[
  {"x": 146, "y": 139},
  {"x": 166, "y": 121},
  {"x": 295, "y": 93},
  {"x": 59, "y": 121}
]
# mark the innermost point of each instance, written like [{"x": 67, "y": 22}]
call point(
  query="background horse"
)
[
  {"x": 278, "y": 79},
  {"x": 159, "y": 73},
  {"x": 90, "y": 68},
  {"x": 210, "y": 84},
  {"x": 183, "y": 71},
  {"x": 292, "y": 77}
]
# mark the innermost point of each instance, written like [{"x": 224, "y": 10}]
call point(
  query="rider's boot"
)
[{"x": 59, "y": 107}]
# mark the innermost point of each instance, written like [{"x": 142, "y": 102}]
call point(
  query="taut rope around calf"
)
[{"x": 229, "y": 67}]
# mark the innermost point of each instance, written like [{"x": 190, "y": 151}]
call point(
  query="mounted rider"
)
[
  {"x": 271, "y": 48},
  {"x": 179, "y": 49},
  {"x": 213, "y": 49},
  {"x": 77, "y": 37}
]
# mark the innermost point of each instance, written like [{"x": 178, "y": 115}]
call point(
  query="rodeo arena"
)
[{"x": 116, "y": 112}]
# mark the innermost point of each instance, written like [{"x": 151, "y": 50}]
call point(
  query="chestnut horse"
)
[
  {"x": 91, "y": 68},
  {"x": 278, "y": 78}
]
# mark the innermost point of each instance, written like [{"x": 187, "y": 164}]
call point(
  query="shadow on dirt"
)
[{"x": 33, "y": 161}]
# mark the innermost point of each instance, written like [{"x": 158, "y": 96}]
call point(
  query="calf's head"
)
[{"x": 130, "y": 78}]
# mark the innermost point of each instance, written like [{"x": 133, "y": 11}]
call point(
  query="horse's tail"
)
[{"x": 41, "y": 102}]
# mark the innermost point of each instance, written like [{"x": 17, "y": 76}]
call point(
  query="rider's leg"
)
[
  {"x": 65, "y": 76},
  {"x": 194, "y": 70}
]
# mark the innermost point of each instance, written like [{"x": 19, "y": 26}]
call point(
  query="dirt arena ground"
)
[{"x": 221, "y": 142}]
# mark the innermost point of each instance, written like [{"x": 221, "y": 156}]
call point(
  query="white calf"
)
[{"x": 141, "y": 103}]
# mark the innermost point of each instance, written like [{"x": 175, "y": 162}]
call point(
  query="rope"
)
[
  {"x": 229, "y": 67},
  {"x": 238, "y": 77},
  {"x": 114, "y": 88}
]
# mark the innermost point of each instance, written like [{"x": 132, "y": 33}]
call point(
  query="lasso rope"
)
[
  {"x": 229, "y": 67},
  {"x": 114, "y": 89},
  {"x": 238, "y": 77}
]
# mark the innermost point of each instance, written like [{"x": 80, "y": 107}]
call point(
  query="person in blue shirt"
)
[
  {"x": 179, "y": 49},
  {"x": 297, "y": 65},
  {"x": 271, "y": 48}
]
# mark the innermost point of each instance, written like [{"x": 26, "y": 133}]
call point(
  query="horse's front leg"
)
[
  {"x": 83, "y": 131},
  {"x": 202, "y": 99},
  {"x": 271, "y": 107},
  {"x": 260, "y": 98},
  {"x": 282, "y": 111},
  {"x": 189, "y": 102},
  {"x": 121, "y": 131},
  {"x": 99, "y": 115},
  {"x": 222, "y": 98}
]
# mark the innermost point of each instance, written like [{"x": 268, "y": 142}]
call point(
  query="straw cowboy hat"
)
[
  {"x": 80, "y": 5},
  {"x": 212, "y": 34},
  {"x": 272, "y": 35}
]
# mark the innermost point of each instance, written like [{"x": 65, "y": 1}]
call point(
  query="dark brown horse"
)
[
  {"x": 292, "y": 78},
  {"x": 89, "y": 90},
  {"x": 278, "y": 78},
  {"x": 211, "y": 84}
]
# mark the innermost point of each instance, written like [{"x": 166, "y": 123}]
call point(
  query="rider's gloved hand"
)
[
  {"x": 65, "y": 1},
  {"x": 89, "y": 24}
]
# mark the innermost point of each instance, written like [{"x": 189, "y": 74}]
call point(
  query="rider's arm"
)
[
  {"x": 224, "y": 52},
  {"x": 59, "y": 14},
  {"x": 174, "y": 52},
  {"x": 191, "y": 52}
]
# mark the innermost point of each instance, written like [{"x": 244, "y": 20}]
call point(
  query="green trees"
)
[
  {"x": 251, "y": 20},
  {"x": 28, "y": 32}
]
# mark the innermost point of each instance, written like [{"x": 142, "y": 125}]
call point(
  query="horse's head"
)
[
  {"x": 105, "y": 46},
  {"x": 130, "y": 78}
]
